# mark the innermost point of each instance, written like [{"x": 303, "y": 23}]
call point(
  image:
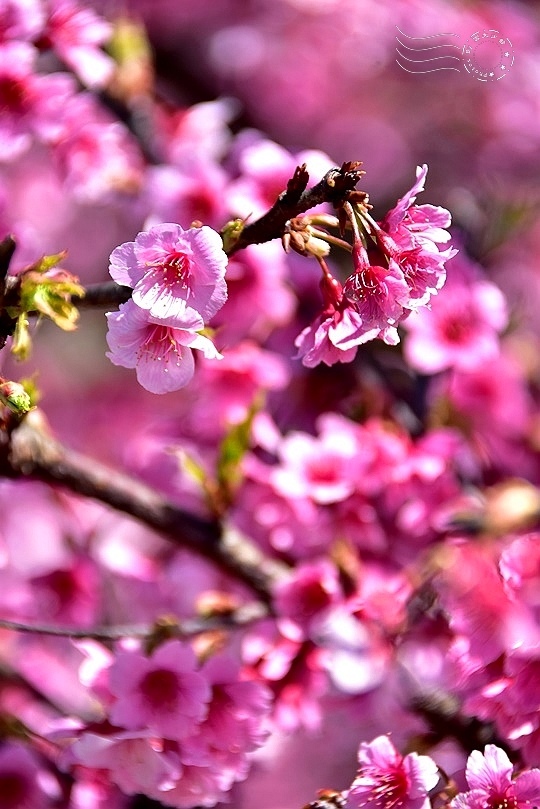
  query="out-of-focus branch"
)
[
  {"x": 102, "y": 295},
  {"x": 185, "y": 628},
  {"x": 7, "y": 324},
  {"x": 28, "y": 450},
  {"x": 442, "y": 712}
]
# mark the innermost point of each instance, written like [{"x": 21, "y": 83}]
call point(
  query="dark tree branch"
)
[
  {"x": 334, "y": 188},
  {"x": 7, "y": 324},
  {"x": 442, "y": 712},
  {"x": 106, "y": 294},
  {"x": 29, "y": 451}
]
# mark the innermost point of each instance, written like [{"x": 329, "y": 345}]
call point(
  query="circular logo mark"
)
[{"x": 488, "y": 55}]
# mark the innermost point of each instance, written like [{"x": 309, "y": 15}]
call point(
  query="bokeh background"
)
[{"x": 306, "y": 74}]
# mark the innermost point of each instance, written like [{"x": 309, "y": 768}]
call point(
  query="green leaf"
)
[{"x": 231, "y": 452}]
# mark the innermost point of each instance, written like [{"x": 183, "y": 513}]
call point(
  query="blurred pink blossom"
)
[{"x": 164, "y": 693}]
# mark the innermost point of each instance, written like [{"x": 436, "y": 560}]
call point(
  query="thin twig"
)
[{"x": 185, "y": 628}]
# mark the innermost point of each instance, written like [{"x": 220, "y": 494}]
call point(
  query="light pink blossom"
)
[
  {"x": 31, "y": 104},
  {"x": 307, "y": 594},
  {"x": 97, "y": 158},
  {"x": 489, "y": 776},
  {"x": 174, "y": 273},
  {"x": 134, "y": 760},
  {"x": 160, "y": 352},
  {"x": 76, "y": 33},
  {"x": 164, "y": 693},
  {"x": 322, "y": 468},
  {"x": 387, "y": 780},
  {"x": 461, "y": 328}
]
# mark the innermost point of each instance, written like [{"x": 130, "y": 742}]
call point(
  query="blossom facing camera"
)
[
  {"x": 174, "y": 273},
  {"x": 387, "y": 780},
  {"x": 489, "y": 776},
  {"x": 178, "y": 282}
]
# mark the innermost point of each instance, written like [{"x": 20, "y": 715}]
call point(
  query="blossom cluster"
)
[
  {"x": 289, "y": 561},
  {"x": 397, "y": 268},
  {"x": 173, "y": 730},
  {"x": 386, "y": 779},
  {"x": 178, "y": 283}
]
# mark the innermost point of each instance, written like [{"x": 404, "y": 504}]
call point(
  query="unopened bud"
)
[
  {"x": 14, "y": 396},
  {"x": 231, "y": 232},
  {"x": 301, "y": 239}
]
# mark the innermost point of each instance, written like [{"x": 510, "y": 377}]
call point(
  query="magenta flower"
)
[
  {"x": 489, "y": 776},
  {"x": 76, "y": 34},
  {"x": 159, "y": 351},
  {"x": 307, "y": 594},
  {"x": 134, "y": 760},
  {"x": 31, "y": 104},
  {"x": 336, "y": 333},
  {"x": 410, "y": 234},
  {"x": 174, "y": 273},
  {"x": 379, "y": 295},
  {"x": 387, "y": 780},
  {"x": 23, "y": 781},
  {"x": 398, "y": 266},
  {"x": 461, "y": 328},
  {"x": 163, "y": 693}
]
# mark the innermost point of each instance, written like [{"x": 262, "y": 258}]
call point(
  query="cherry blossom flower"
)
[
  {"x": 134, "y": 760},
  {"x": 403, "y": 246},
  {"x": 397, "y": 268},
  {"x": 24, "y": 782},
  {"x": 307, "y": 594},
  {"x": 97, "y": 157},
  {"x": 163, "y": 693},
  {"x": 489, "y": 776},
  {"x": 21, "y": 19},
  {"x": 412, "y": 226},
  {"x": 174, "y": 273},
  {"x": 336, "y": 333},
  {"x": 379, "y": 295},
  {"x": 31, "y": 104},
  {"x": 186, "y": 195},
  {"x": 387, "y": 780},
  {"x": 75, "y": 33},
  {"x": 461, "y": 328},
  {"x": 323, "y": 468},
  {"x": 472, "y": 592},
  {"x": 160, "y": 352},
  {"x": 199, "y": 133},
  {"x": 236, "y": 723}
]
